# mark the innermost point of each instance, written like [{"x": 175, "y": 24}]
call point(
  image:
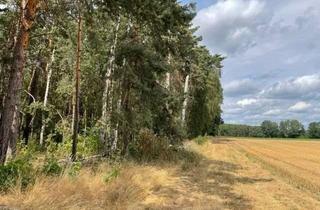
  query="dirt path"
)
[{"x": 227, "y": 179}]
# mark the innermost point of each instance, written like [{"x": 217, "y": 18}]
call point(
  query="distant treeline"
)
[{"x": 269, "y": 129}]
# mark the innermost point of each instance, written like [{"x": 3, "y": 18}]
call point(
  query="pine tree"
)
[{"x": 10, "y": 119}]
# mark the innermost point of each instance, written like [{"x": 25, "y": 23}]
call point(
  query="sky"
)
[{"x": 273, "y": 57}]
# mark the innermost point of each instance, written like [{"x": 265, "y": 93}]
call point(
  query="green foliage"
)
[
  {"x": 270, "y": 129},
  {"x": 64, "y": 87},
  {"x": 206, "y": 95},
  {"x": 255, "y": 131},
  {"x": 18, "y": 171},
  {"x": 149, "y": 46},
  {"x": 314, "y": 130},
  {"x": 291, "y": 129},
  {"x": 51, "y": 167},
  {"x": 88, "y": 144},
  {"x": 201, "y": 140},
  {"x": 74, "y": 169},
  {"x": 149, "y": 147},
  {"x": 113, "y": 174},
  {"x": 241, "y": 130}
]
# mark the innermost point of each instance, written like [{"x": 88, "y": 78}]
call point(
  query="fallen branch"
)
[{"x": 85, "y": 161}]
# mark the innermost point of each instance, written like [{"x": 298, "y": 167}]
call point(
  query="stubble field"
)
[{"x": 298, "y": 162}]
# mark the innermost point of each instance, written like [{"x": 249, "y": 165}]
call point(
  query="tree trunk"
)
[
  {"x": 5, "y": 68},
  {"x": 32, "y": 93},
  {"x": 114, "y": 146},
  {"x": 185, "y": 102},
  {"x": 76, "y": 94},
  {"x": 107, "y": 95},
  {"x": 168, "y": 75},
  {"x": 116, "y": 130},
  {"x": 127, "y": 110},
  {"x": 168, "y": 81},
  {"x": 10, "y": 119},
  {"x": 46, "y": 94}
]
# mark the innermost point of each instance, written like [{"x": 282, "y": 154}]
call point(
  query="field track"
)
[{"x": 241, "y": 174}]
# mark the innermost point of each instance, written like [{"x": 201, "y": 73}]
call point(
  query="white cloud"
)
[
  {"x": 229, "y": 26},
  {"x": 247, "y": 102},
  {"x": 304, "y": 86},
  {"x": 272, "y": 112},
  {"x": 266, "y": 41},
  {"x": 300, "y": 107}
]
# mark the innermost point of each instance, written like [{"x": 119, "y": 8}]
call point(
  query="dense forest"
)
[
  {"x": 269, "y": 129},
  {"x": 96, "y": 76}
]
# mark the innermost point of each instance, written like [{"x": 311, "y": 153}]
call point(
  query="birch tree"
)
[
  {"x": 185, "y": 101},
  {"x": 107, "y": 94},
  {"x": 49, "y": 70}
]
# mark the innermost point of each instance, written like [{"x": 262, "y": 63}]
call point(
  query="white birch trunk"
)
[
  {"x": 107, "y": 98},
  {"x": 185, "y": 102},
  {"x": 168, "y": 75},
  {"x": 116, "y": 130},
  {"x": 45, "y": 101},
  {"x": 12, "y": 148},
  {"x": 167, "y": 80},
  {"x": 167, "y": 84}
]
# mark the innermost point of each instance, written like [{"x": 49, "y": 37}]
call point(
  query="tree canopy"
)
[{"x": 107, "y": 69}]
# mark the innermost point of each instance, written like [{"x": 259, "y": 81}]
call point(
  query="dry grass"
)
[
  {"x": 89, "y": 190},
  {"x": 225, "y": 178}
]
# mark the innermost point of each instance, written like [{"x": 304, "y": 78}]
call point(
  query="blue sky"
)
[{"x": 273, "y": 49}]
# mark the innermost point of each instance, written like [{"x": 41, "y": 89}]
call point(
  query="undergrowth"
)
[
  {"x": 201, "y": 140},
  {"x": 152, "y": 148},
  {"x": 148, "y": 148}
]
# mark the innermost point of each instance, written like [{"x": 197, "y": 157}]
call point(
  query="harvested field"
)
[{"x": 296, "y": 161}]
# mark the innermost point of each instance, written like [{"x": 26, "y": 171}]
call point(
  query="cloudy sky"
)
[{"x": 273, "y": 49}]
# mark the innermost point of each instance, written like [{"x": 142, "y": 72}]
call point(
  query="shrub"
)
[
  {"x": 74, "y": 169},
  {"x": 88, "y": 144},
  {"x": 149, "y": 146},
  {"x": 201, "y": 140},
  {"x": 189, "y": 159},
  {"x": 17, "y": 171},
  {"x": 51, "y": 167}
]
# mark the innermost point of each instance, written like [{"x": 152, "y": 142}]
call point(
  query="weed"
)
[
  {"x": 113, "y": 174},
  {"x": 51, "y": 167},
  {"x": 201, "y": 140}
]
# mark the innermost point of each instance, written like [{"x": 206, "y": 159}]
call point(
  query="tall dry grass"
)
[{"x": 89, "y": 190}]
